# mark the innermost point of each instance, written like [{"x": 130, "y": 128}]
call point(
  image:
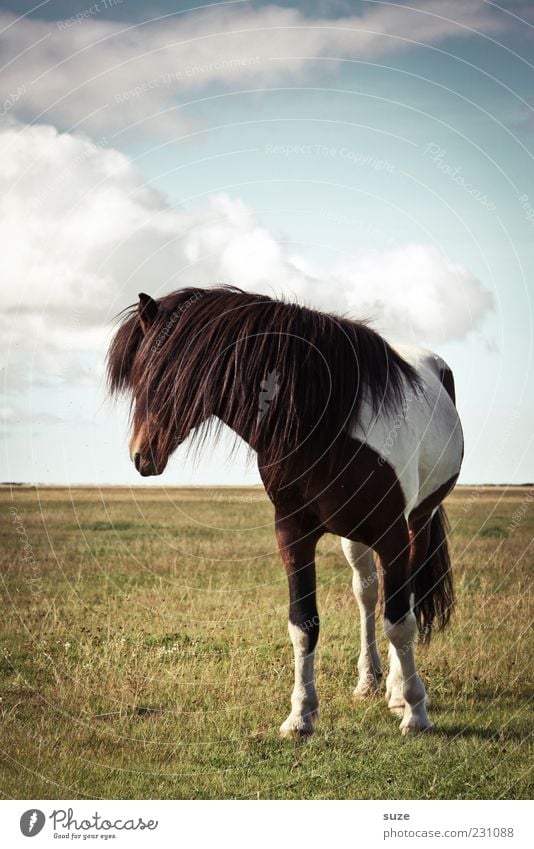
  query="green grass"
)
[{"x": 144, "y": 654}]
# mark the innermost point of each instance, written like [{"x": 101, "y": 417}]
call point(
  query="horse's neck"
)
[{"x": 248, "y": 432}]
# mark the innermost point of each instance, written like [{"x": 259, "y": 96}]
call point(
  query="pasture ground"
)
[{"x": 144, "y": 654}]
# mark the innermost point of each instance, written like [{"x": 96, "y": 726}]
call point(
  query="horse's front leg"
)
[
  {"x": 297, "y": 548},
  {"x": 365, "y": 587}
]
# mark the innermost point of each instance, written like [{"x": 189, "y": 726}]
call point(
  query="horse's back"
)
[{"x": 429, "y": 363}]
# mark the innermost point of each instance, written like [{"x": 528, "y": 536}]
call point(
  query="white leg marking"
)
[
  {"x": 402, "y": 636},
  {"x": 365, "y": 587},
  {"x": 304, "y": 701},
  {"x": 394, "y": 697}
]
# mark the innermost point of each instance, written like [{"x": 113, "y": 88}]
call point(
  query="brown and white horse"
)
[{"x": 353, "y": 437}]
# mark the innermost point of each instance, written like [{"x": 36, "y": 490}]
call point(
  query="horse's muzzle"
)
[{"x": 145, "y": 466}]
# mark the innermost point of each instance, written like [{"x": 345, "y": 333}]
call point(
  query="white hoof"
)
[
  {"x": 395, "y": 702},
  {"x": 414, "y": 725},
  {"x": 366, "y": 689},
  {"x": 298, "y": 726}
]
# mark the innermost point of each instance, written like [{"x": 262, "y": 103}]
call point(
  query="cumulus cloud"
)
[
  {"x": 82, "y": 234},
  {"x": 413, "y": 292},
  {"x": 103, "y": 75}
]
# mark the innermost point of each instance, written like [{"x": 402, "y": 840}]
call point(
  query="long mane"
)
[{"x": 285, "y": 377}]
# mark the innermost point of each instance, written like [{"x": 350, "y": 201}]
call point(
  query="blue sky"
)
[{"x": 369, "y": 157}]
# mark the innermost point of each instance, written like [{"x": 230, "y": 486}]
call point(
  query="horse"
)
[{"x": 353, "y": 437}]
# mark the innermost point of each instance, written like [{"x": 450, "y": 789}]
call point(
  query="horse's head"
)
[
  {"x": 137, "y": 365},
  {"x": 144, "y": 448},
  {"x": 151, "y": 444},
  {"x": 149, "y": 449}
]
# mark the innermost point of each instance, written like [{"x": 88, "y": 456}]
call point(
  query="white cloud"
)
[
  {"x": 82, "y": 234},
  {"x": 413, "y": 292},
  {"x": 88, "y": 73}
]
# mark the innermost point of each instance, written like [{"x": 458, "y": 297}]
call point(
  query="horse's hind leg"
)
[
  {"x": 365, "y": 587},
  {"x": 401, "y": 627},
  {"x": 394, "y": 697},
  {"x": 419, "y": 539},
  {"x": 297, "y": 543}
]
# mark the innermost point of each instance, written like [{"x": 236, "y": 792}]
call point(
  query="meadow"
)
[{"x": 144, "y": 654}]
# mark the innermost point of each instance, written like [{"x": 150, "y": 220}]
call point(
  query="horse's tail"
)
[{"x": 432, "y": 583}]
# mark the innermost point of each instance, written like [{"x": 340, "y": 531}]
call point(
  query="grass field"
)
[{"x": 145, "y": 655}]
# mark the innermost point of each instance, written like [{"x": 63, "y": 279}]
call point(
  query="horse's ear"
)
[{"x": 147, "y": 310}]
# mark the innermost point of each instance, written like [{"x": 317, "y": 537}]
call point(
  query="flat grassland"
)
[{"x": 144, "y": 654}]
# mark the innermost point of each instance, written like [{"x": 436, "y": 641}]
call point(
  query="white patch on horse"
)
[
  {"x": 365, "y": 587},
  {"x": 394, "y": 687},
  {"x": 304, "y": 701},
  {"x": 401, "y": 636},
  {"x": 423, "y": 440},
  {"x": 394, "y": 697}
]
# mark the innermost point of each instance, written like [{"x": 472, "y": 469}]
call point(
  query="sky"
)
[{"x": 370, "y": 158}]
